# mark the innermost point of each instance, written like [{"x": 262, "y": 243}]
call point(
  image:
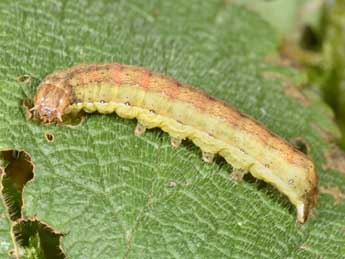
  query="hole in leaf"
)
[
  {"x": 49, "y": 137},
  {"x": 18, "y": 170},
  {"x": 26, "y": 79},
  {"x": 35, "y": 239},
  {"x": 38, "y": 240}
]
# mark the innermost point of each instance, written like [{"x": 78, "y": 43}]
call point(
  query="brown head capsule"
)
[{"x": 50, "y": 102}]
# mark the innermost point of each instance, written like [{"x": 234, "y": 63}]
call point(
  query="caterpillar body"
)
[{"x": 183, "y": 112}]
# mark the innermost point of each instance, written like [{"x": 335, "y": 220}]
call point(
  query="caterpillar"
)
[{"x": 182, "y": 111}]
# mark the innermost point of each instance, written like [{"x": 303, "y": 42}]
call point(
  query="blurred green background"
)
[{"x": 316, "y": 28}]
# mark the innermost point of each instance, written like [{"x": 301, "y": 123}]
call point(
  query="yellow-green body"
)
[{"x": 184, "y": 112}]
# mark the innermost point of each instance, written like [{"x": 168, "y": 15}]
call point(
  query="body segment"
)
[{"x": 183, "y": 112}]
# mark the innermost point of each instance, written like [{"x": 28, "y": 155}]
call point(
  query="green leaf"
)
[
  {"x": 5, "y": 236},
  {"x": 115, "y": 195}
]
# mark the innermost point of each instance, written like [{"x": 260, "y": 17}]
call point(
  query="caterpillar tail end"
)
[
  {"x": 304, "y": 209},
  {"x": 308, "y": 200},
  {"x": 139, "y": 129}
]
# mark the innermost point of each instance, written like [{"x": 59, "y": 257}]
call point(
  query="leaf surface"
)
[{"x": 5, "y": 238}]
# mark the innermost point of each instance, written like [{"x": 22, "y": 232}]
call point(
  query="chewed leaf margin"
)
[{"x": 31, "y": 237}]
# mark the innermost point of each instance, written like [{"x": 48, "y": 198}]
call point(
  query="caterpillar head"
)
[{"x": 50, "y": 102}]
